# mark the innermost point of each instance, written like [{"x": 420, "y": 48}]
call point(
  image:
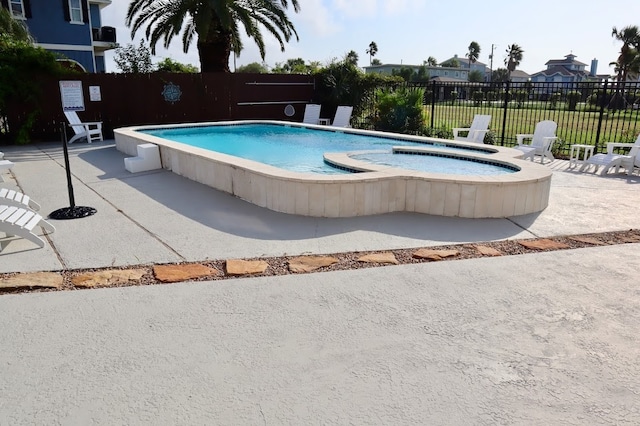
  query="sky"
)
[{"x": 409, "y": 31}]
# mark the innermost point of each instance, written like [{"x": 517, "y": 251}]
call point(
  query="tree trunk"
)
[{"x": 214, "y": 52}]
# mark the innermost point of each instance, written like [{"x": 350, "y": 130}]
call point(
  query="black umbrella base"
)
[{"x": 75, "y": 212}]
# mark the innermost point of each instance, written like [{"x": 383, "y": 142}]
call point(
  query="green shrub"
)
[
  {"x": 442, "y": 132},
  {"x": 520, "y": 96},
  {"x": 400, "y": 110},
  {"x": 554, "y": 99},
  {"x": 477, "y": 97},
  {"x": 572, "y": 99},
  {"x": 453, "y": 96}
]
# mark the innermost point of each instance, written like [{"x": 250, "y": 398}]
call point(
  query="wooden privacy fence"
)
[{"x": 163, "y": 98}]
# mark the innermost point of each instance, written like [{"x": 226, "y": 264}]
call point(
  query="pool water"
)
[
  {"x": 301, "y": 149},
  {"x": 434, "y": 164}
]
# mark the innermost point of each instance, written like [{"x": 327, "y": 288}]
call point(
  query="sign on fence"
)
[{"x": 71, "y": 95}]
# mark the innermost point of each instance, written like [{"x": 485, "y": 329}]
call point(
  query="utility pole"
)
[{"x": 491, "y": 64}]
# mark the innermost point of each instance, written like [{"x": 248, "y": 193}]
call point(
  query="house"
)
[
  {"x": 465, "y": 63},
  {"x": 71, "y": 28},
  {"x": 519, "y": 77},
  {"x": 566, "y": 70},
  {"x": 457, "y": 74}
]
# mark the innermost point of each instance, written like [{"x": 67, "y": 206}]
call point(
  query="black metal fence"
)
[{"x": 592, "y": 113}]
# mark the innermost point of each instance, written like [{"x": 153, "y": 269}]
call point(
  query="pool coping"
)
[{"x": 377, "y": 190}]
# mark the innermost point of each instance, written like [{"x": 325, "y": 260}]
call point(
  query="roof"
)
[
  {"x": 560, "y": 70},
  {"x": 519, "y": 74}
]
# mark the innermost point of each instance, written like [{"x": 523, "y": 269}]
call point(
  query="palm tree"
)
[
  {"x": 215, "y": 23},
  {"x": 431, "y": 61},
  {"x": 351, "y": 58},
  {"x": 474, "y": 53},
  {"x": 514, "y": 57},
  {"x": 372, "y": 50},
  {"x": 627, "y": 62}
]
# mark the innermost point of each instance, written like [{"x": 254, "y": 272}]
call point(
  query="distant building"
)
[
  {"x": 465, "y": 63},
  {"x": 72, "y": 28},
  {"x": 566, "y": 70},
  {"x": 457, "y": 74}
]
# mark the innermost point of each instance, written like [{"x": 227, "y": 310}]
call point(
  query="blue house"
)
[
  {"x": 72, "y": 28},
  {"x": 566, "y": 70}
]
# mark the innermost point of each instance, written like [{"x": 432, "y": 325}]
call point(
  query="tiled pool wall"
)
[{"x": 379, "y": 190}]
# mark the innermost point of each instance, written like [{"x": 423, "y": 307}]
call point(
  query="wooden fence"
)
[{"x": 163, "y": 98}]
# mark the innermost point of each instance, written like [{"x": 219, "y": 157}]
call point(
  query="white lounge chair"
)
[
  {"x": 342, "y": 117},
  {"x": 542, "y": 141},
  {"x": 475, "y": 133},
  {"x": 92, "y": 131},
  {"x": 311, "y": 114},
  {"x": 611, "y": 160},
  {"x": 20, "y": 222},
  {"x": 14, "y": 198}
]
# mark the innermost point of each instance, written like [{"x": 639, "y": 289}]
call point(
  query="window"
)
[
  {"x": 17, "y": 9},
  {"x": 75, "y": 10}
]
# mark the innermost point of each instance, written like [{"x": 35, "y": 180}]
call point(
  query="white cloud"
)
[{"x": 315, "y": 18}]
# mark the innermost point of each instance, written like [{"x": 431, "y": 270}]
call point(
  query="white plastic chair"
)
[
  {"x": 611, "y": 160},
  {"x": 21, "y": 221},
  {"x": 92, "y": 131},
  {"x": 311, "y": 114},
  {"x": 541, "y": 143},
  {"x": 343, "y": 116},
  {"x": 475, "y": 133},
  {"x": 14, "y": 198}
]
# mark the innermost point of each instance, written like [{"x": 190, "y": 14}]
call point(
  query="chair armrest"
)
[
  {"x": 455, "y": 130},
  {"x": 478, "y": 135},
  {"x": 521, "y": 137},
  {"x": 548, "y": 142},
  {"x": 613, "y": 145}
]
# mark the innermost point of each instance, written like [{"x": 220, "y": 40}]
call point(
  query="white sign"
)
[
  {"x": 71, "y": 95},
  {"x": 94, "y": 94}
]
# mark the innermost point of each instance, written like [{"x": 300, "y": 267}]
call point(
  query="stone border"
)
[
  {"x": 377, "y": 190},
  {"x": 11, "y": 283}
]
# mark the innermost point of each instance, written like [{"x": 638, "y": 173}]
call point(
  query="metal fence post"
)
[
  {"x": 433, "y": 103},
  {"x": 504, "y": 114},
  {"x": 603, "y": 97}
]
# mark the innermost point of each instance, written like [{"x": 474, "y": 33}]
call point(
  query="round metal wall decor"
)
[
  {"x": 171, "y": 93},
  {"x": 289, "y": 110}
]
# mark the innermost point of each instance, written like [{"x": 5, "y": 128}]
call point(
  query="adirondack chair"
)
[
  {"x": 541, "y": 143},
  {"x": 475, "y": 133}
]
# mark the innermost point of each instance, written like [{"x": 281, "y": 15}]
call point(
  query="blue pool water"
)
[
  {"x": 295, "y": 148},
  {"x": 434, "y": 164}
]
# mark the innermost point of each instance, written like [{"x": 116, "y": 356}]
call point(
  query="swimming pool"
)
[
  {"x": 375, "y": 189},
  {"x": 300, "y": 149}
]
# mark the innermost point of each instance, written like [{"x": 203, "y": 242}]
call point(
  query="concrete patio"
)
[{"x": 548, "y": 338}]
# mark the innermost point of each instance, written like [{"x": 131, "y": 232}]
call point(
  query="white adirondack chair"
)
[
  {"x": 541, "y": 143},
  {"x": 475, "y": 133},
  {"x": 92, "y": 131}
]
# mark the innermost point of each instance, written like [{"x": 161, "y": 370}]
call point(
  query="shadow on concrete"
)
[{"x": 229, "y": 214}]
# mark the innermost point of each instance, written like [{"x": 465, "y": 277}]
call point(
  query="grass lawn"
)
[{"x": 574, "y": 127}]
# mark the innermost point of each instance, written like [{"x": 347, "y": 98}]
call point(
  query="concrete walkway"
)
[{"x": 549, "y": 338}]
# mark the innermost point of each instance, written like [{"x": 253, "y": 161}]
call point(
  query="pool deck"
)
[{"x": 548, "y": 338}]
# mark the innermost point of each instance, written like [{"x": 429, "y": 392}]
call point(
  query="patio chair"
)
[
  {"x": 541, "y": 143},
  {"x": 475, "y": 133},
  {"x": 14, "y": 198},
  {"x": 342, "y": 117},
  {"x": 611, "y": 160},
  {"x": 92, "y": 131},
  {"x": 311, "y": 114},
  {"x": 20, "y": 222}
]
